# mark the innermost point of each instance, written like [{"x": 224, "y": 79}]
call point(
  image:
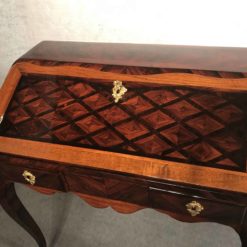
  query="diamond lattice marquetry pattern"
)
[{"x": 178, "y": 124}]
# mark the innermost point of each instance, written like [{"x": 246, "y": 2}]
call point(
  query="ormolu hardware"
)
[
  {"x": 194, "y": 208},
  {"x": 29, "y": 177},
  {"x": 118, "y": 90}
]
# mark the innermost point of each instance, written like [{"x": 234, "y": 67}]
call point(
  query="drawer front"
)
[
  {"x": 126, "y": 189},
  {"x": 193, "y": 209},
  {"x": 85, "y": 181},
  {"x": 107, "y": 185},
  {"x": 32, "y": 172}
]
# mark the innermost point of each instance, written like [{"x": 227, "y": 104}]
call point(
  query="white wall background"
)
[{"x": 23, "y": 23}]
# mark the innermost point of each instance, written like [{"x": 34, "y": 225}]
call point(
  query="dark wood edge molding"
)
[{"x": 131, "y": 164}]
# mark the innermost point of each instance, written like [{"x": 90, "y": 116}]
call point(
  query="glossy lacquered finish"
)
[
  {"x": 174, "y": 141},
  {"x": 160, "y": 56},
  {"x": 171, "y": 123},
  {"x": 219, "y": 206}
]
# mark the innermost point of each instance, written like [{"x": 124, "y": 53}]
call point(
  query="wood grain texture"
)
[
  {"x": 137, "y": 70},
  {"x": 171, "y": 202},
  {"x": 237, "y": 180},
  {"x": 127, "y": 194},
  {"x": 48, "y": 176},
  {"x": 125, "y": 182},
  {"x": 163, "y": 56},
  {"x": 104, "y": 183},
  {"x": 181, "y": 125},
  {"x": 193, "y": 80},
  {"x": 167, "y": 170},
  {"x": 168, "y": 79},
  {"x": 173, "y": 205}
]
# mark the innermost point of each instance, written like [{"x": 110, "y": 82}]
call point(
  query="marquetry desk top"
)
[{"x": 130, "y": 126}]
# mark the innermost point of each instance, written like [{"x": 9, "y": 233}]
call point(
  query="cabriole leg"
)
[{"x": 15, "y": 209}]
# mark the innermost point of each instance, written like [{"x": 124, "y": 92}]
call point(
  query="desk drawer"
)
[
  {"x": 30, "y": 171},
  {"x": 127, "y": 189},
  {"x": 85, "y": 181},
  {"x": 107, "y": 185},
  {"x": 195, "y": 208}
]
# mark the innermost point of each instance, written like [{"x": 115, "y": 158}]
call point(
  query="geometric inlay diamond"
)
[
  {"x": 158, "y": 119},
  {"x": 153, "y": 145},
  {"x": 107, "y": 138},
  {"x": 90, "y": 124},
  {"x": 74, "y": 110},
  {"x": 18, "y": 116},
  {"x": 229, "y": 113},
  {"x": 67, "y": 133},
  {"x": 113, "y": 114},
  {"x": 26, "y": 95},
  {"x": 202, "y": 152},
  {"x": 178, "y": 135},
  {"x": 81, "y": 89},
  {"x": 228, "y": 142},
  {"x": 182, "y": 109},
  {"x": 160, "y": 97},
  {"x": 132, "y": 129},
  {"x": 207, "y": 101},
  {"x": 31, "y": 128},
  {"x": 38, "y": 106},
  {"x": 45, "y": 87},
  {"x": 52, "y": 120},
  {"x": 96, "y": 101},
  {"x": 59, "y": 98},
  {"x": 204, "y": 124},
  {"x": 137, "y": 105}
]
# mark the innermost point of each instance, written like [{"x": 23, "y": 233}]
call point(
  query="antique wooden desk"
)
[{"x": 128, "y": 126}]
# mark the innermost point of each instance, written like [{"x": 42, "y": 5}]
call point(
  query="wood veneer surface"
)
[
  {"x": 161, "y": 56},
  {"x": 171, "y": 123},
  {"x": 161, "y": 146}
]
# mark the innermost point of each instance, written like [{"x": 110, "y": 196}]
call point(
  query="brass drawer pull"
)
[
  {"x": 194, "y": 208},
  {"x": 29, "y": 177},
  {"x": 118, "y": 90}
]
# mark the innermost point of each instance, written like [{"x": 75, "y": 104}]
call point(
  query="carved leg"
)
[{"x": 15, "y": 209}]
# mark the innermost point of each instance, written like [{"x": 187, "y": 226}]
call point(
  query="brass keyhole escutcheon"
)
[
  {"x": 29, "y": 177},
  {"x": 118, "y": 90},
  {"x": 194, "y": 208}
]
